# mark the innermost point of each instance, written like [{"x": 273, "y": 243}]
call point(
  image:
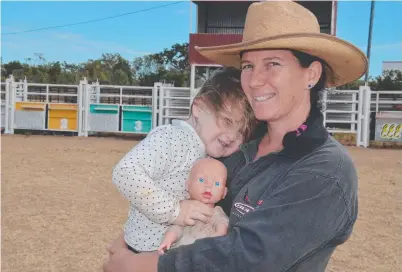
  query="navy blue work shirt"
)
[{"x": 288, "y": 210}]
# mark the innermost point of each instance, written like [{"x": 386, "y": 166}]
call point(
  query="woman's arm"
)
[{"x": 290, "y": 225}]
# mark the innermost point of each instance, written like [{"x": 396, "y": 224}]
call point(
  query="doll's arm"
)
[
  {"x": 221, "y": 229},
  {"x": 173, "y": 233},
  {"x": 221, "y": 222}
]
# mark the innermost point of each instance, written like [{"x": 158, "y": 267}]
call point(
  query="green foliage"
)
[
  {"x": 170, "y": 65},
  {"x": 389, "y": 80}
]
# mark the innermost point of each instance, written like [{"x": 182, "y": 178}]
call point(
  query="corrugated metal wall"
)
[
  {"x": 322, "y": 10},
  {"x": 229, "y": 17},
  {"x": 223, "y": 23},
  {"x": 221, "y": 17}
]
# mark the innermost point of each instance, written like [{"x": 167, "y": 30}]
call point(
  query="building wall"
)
[
  {"x": 229, "y": 17},
  {"x": 220, "y": 23},
  {"x": 221, "y": 17},
  {"x": 392, "y": 65}
]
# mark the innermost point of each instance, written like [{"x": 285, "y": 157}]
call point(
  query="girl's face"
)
[{"x": 219, "y": 133}]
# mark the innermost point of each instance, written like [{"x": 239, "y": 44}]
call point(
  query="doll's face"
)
[{"x": 207, "y": 181}]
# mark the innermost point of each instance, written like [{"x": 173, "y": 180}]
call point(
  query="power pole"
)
[{"x": 369, "y": 41}]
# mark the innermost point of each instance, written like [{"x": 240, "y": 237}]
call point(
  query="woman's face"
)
[{"x": 275, "y": 83}]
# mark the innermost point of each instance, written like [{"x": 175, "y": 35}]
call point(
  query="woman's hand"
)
[
  {"x": 123, "y": 260},
  {"x": 117, "y": 243},
  {"x": 191, "y": 210}
]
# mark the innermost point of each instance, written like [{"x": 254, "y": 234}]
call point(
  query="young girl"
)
[{"x": 152, "y": 176}]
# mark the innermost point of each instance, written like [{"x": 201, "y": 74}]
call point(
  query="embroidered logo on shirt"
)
[
  {"x": 240, "y": 209},
  {"x": 243, "y": 208}
]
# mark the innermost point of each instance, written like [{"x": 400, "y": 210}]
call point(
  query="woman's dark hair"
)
[{"x": 305, "y": 61}]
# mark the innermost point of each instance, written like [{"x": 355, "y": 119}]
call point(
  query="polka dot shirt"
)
[{"x": 152, "y": 176}]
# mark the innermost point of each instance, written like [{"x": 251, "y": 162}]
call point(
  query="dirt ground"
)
[{"x": 60, "y": 210}]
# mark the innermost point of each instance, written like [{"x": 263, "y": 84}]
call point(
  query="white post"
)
[
  {"x": 84, "y": 108},
  {"x": 353, "y": 115},
  {"x": 97, "y": 91},
  {"x": 161, "y": 103},
  {"x": 80, "y": 107},
  {"x": 12, "y": 92},
  {"x": 47, "y": 93},
  {"x": 366, "y": 127},
  {"x": 360, "y": 117},
  {"x": 87, "y": 94},
  {"x": 192, "y": 83},
  {"x": 7, "y": 107},
  {"x": 25, "y": 88},
  {"x": 167, "y": 93},
  {"x": 155, "y": 91},
  {"x": 19, "y": 90}
]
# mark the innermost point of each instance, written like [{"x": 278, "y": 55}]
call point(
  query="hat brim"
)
[{"x": 347, "y": 62}]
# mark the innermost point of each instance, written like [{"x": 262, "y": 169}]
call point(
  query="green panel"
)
[{"x": 104, "y": 109}]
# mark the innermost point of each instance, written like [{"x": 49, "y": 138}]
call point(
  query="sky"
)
[{"x": 150, "y": 31}]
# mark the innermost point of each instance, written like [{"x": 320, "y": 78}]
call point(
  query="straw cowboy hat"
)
[{"x": 288, "y": 25}]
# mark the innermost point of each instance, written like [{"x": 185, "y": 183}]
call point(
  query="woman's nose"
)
[{"x": 257, "y": 79}]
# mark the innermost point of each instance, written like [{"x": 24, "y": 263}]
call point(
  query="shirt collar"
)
[{"x": 296, "y": 144}]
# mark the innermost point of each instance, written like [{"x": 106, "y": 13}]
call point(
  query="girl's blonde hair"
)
[{"x": 223, "y": 93}]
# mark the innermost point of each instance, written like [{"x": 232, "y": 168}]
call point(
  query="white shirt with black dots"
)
[{"x": 152, "y": 176}]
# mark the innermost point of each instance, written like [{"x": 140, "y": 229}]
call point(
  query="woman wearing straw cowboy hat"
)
[{"x": 293, "y": 190}]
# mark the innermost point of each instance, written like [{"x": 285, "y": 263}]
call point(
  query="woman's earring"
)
[{"x": 310, "y": 85}]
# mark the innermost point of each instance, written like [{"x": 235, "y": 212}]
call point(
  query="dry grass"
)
[{"x": 59, "y": 208}]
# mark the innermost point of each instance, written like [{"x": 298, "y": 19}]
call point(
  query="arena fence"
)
[{"x": 89, "y": 108}]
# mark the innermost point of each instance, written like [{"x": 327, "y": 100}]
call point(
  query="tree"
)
[
  {"x": 352, "y": 86},
  {"x": 171, "y": 65},
  {"x": 12, "y": 67},
  {"x": 390, "y": 80}
]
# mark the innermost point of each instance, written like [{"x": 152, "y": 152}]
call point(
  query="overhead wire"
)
[{"x": 91, "y": 21}]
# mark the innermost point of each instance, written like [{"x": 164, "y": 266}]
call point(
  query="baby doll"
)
[{"x": 206, "y": 183}]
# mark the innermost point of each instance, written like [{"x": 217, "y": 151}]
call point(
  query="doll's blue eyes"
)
[{"x": 217, "y": 183}]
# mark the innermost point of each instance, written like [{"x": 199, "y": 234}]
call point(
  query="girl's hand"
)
[{"x": 191, "y": 210}]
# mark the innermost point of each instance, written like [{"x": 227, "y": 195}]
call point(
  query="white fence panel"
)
[
  {"x": 340, "y": 111},
  {"x": 3, "y": 106},
  {"x": 174, "y": 103},
  {"x": 386, "y": 101}
]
